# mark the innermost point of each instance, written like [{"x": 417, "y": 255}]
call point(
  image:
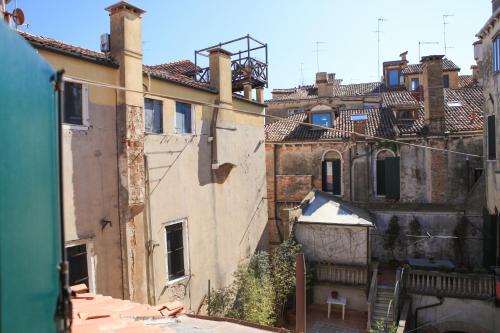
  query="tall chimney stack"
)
[
  {"x": 324, "y": 84},
  {"x": 432, "y": 67}
]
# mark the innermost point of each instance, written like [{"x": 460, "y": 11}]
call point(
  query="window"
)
[
  {"x": 446, "y": 81},
  {"x": 414, "y": 84},
  {"x": 496, "y": 54},
  {"x": 291, "y": 112},
  {"x": 153, "y": 116},
  {"x": 492, "y": 145},
  {"x": 322, "y": 119},
  {"x": 332, "y": 173},
  {"x": 393, "y": 77},
  {"x": 405, "y": 114},
  {"x": 75, "y": 103},
  {"x": 175, "y": 250},
  {"x": 183, "y": 123},
  {"x": 387, "y": 175},
  {"x": 78, "y": 264}
]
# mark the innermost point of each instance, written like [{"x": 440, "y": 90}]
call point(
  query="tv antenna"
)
[
  {"x": 302, "y": 73},
  {"x": 424, "y": 43},
  {"x": 378, "y": 31},
  {"x": 446, "y": 47},
  {"x": 317, "y": 51}
]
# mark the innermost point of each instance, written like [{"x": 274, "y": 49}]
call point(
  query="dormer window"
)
[
  {"x": 322, "y": 119},
  {"x": 405, "y": 114},
  {"x": 393, "y": 75},
  {"x": 415, "y": 84}
]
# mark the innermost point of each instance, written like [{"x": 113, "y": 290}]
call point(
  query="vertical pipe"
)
[
  {"x": 300, "y": 307},
  {"x": 208, "y": 297}
]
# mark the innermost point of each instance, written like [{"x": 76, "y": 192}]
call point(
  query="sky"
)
[{"x": 172, "y": 30}]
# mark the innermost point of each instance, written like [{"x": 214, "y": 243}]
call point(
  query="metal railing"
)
[
  {"x": 342, "y": 274},
  {"x": 473, "y": 286},
  {"x": 372, "y": 295}
]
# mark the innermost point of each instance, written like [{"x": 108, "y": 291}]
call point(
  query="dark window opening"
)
[
  {"x": 492, "y": 146},
  {"x": 73, "y": 103},
  {"x": 78, "y": 269},
  {"x": 380, "y": 177},
  {"x": 477, "y": 174},
  {"x": 446, "y": 81},
  {"x": 153, "y": 116},
  {"x": 175, "y": 251},
  {"x": 332, "y": 176}
]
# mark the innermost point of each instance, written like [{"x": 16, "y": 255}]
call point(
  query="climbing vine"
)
[{"x": 392, "y": 235}]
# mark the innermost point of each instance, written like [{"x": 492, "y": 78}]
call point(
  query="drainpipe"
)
[
  {"x": 441, "y": 301},
  {"x": 350, "y": 174},
  {"x": 150, "y": 242}
]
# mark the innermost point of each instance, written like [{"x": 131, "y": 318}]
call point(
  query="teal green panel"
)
[
  {"x": 29, "y": 217},
  {"x": 392, "y": 178}
]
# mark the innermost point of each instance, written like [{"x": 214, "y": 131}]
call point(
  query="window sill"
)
[
  {"x": 178, "y": 280},
  {"x": 153, "y": 133},
  {"x": 488, "y": 160},
  {"x": 75, "y": 127}
]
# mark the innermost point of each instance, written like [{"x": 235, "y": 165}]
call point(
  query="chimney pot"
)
[{"x": 432, "y": 69}]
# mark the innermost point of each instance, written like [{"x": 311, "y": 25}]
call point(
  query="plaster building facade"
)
[
  {"x": 157, "y": 199},
  {"x": 487, "y": 53}
]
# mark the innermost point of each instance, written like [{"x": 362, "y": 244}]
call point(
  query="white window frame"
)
[
  {"x": 91, "y": 260},
  {"x": 85, "y": 112},
  {"x": 162, "y": 116},
  {"x": 185, "y": 245},
  {"x": 193, "y": 121}
]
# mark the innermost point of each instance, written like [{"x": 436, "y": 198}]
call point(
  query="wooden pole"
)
[{"x": 300, "y": 292}]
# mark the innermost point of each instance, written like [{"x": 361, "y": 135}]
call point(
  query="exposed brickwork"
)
[
  {"x": 293, "y": 188},
  {"x": 432, "y": 67}
]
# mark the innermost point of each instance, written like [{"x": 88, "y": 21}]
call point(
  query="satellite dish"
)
[{"x": 18, "y": 16}]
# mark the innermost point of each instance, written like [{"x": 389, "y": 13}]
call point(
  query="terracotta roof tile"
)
[
  {"x": 448, "y": 65},
  {"x": 311, "y": 91},
  {"x": 463, "y": 113},
  {"x": 466, "y": 81}
]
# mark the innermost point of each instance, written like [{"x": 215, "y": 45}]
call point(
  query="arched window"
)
[
  {"x": 332, "y": 172},
  {"x": 387, "y": 174}
]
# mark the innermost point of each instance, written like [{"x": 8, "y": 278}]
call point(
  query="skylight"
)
[
  {"x": 359, "y": 117},
  {"x": 454, "y": 104}
]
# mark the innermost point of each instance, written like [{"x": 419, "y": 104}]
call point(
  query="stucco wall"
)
[
  {"x": 225, "y": 222},
  {"x": 437, "y": 224},
  {"x": 456, "y": 314},
  {"x": 337, "y": 244},
  {"x": 90, "y": 175}
]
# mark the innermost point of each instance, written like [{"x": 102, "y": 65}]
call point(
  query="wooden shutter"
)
[
  {"x": 492, "y": 148},
  {"x": 323, "y": 177},
  {"x": 336, "y": 177},
  {"x": 392, "y": 177},
  {"x": 380, "y": 177},
  {"x": 77, "y": 259}
]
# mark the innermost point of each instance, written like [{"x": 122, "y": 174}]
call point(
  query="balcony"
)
[
  {"x": 460, "y": 285},
  {"x": 349, "y": 275}
]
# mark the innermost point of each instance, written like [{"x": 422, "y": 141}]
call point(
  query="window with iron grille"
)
[
  {"x": 175, "y": 251},
  {"x": 153, "y": 116}
]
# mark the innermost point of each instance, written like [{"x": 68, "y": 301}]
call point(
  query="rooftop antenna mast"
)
[
  {"x": 302, "y": 73},
  {"x": 318, "y": 51},
  {"x": 446, "y": 47},
  {"x": 379, "y": 21},
  {"x": 424, "y": 43}
]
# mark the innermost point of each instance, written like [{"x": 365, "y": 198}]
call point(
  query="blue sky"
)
[{"x": 172, "y": 30}]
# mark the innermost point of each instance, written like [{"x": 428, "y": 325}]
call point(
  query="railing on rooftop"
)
[
  {"x": 473, "y": 286},
  {"x": 245, "y": 66}
]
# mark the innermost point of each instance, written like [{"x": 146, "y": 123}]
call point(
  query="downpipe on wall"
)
[{"x": 440, "y": 302}]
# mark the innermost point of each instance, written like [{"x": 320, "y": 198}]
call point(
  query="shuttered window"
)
[
  {"x": 388, "y": 177},
  {"x": 183, "y": 118},
  {"x": 331, "y": 177},
  {"x": 175, "y": 251},
  {"x": 446, "y": 81},
  {"x": 492, "y": 147},
  {"x": 496, "y": 54}
]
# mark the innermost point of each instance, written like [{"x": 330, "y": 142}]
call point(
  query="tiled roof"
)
[
  {"x": 463, "y": 113},
  {"x": 97, "y": 313},
  {"x": 448, "y": 65},
  {"x": 177, "y": 72},
  {"x": 55, "y": 45},
  {"x": 466, "y": 81},
  {"x": 311, "y": 91}
]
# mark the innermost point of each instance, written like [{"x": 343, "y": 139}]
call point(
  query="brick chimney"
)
[
  {"x": 324, "y": 84},
  {"x": 126, "y": 49},
  {"x": 432, "y": 77}
]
